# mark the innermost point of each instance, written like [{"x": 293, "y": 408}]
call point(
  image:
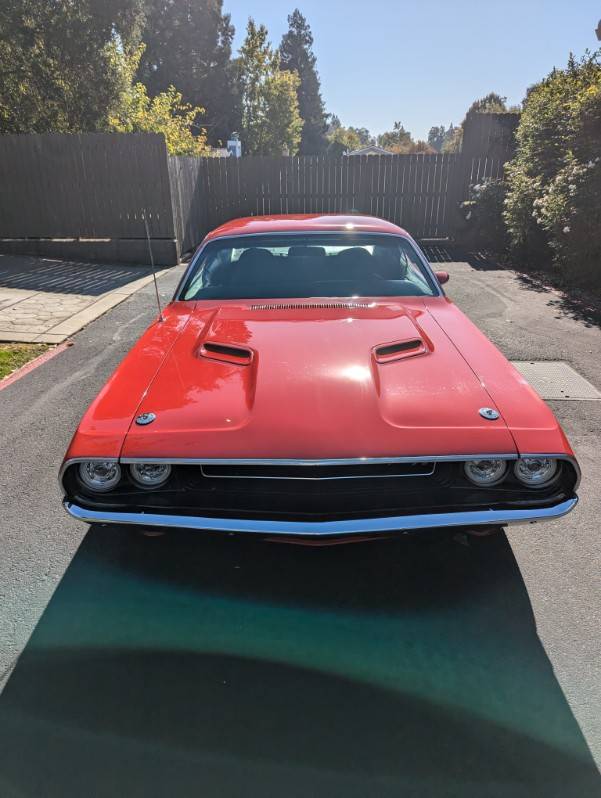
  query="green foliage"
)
[
  {"x": 397, "y": 140},
  {"x": 189, "y": 46},
  {"x": 444, "y": 139},
  {"x": 436, "y": 137},
  {"x": 283, "y": 123},
  {"x": 271, "y": 122},
  {"x": 346, "y": 139},
  {"x": 492, "y": 103},
  {"x": 364, "y": 137},
  {"x": 453, "y": 139},
  {"x": 164, "y": 113},
  {"x": 553, "y": 206},
  {"x": 483, "y": 214},
  {"x": 296, "y": 55},
  {"x": 422, "y": 147},
  {"x": 59, "y": 63},
  {"x": 342, "y": 139}
]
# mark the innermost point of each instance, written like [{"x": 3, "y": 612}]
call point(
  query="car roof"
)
[{"x": 304, "y": 223}]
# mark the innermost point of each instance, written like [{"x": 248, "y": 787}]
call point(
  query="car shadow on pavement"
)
[{"x": 195, "y": 665}]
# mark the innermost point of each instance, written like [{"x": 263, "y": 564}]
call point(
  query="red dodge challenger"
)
[{"x": 310, "y": 378}]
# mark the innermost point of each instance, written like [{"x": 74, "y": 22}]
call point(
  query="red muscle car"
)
[{"x": 310, "y": 378}]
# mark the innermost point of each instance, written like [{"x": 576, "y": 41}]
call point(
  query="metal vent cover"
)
[
  {"x": 313, "y": 305},
  {"x": 556, "y": 380}
]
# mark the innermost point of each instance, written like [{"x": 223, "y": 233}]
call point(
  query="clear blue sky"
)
[{"x": 423, "y": 62}]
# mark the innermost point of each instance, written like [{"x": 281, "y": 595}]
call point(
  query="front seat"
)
[{"x": 251, "y": 265}]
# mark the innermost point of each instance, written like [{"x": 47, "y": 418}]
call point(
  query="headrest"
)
[
  {"x": 306, "y": 252},
  {"x": 255, "y": 253},
  {"x": 355, "y": 255}
]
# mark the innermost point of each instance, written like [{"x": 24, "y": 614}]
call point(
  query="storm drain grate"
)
[{"x": 554, "y": 379}]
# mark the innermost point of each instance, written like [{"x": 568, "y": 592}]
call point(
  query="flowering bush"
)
[
  {"x": 483, "y": 213},
  {"x": 569, "y": 211},
  {"x": 553, "y": 202}
]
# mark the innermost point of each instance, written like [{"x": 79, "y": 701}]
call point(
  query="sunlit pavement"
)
[{"x": 193, "y": 665}]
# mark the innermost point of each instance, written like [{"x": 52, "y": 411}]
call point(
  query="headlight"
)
[
  {"x": 150, "y": 475},
  {"x": 536, "y": 472},
  {"x": 99, "y": 475},
  {"x": 485, "y": 472}
]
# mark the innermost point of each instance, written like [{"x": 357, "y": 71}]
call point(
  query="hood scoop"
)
[
  {"x": 386, "y": 353},
  {"x": 313, "y": 305},
  {"x": 226, "y": 353}
]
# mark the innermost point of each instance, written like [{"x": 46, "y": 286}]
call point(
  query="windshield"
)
[{"x": 311, "y": 265}]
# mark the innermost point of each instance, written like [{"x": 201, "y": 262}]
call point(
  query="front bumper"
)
[{"x": 360, "y": 526}]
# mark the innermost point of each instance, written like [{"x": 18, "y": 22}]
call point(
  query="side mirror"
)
[{"x": 442, "y": 277}]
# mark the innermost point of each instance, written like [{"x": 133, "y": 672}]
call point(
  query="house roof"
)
[{"x": 371, "y": 149}]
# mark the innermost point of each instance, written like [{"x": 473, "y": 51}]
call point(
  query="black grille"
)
[{"x": 318, "y": 472}]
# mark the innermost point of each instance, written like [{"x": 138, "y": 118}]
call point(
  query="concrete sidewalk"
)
[{"x": 47, "y": 301}]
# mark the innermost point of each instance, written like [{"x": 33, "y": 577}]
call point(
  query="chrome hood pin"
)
[
  {"x": 145, "y": 418},
  {"x": 489, "y": 413}
]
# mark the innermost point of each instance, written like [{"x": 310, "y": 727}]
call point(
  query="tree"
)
[
  {"x": 164, "y": 113},
  {"x": 453, "y": 139},
  {"x": 436, "y": 137},
  {"x": 283, "y": 124},
  {"x": 342, "y": 140},
  {"x": 59, "y": 62},
  {"x": 271, "y": 122},
  {"x": 189, "y": 46},
  {"x": 364, "y": 136},
  {"x": 553, "y": 204},
  {"x": 492, "y": 103},
  {"x": 397, "y": 140},
  {"x": 296, "y": 55},
  {"x": 422, "y": 147}
]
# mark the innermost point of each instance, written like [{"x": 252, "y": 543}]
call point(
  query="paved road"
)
[{"x": 205, "y": 666}]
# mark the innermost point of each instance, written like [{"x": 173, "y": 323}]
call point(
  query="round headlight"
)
[
  {"x": 150, "y": 475},
  {"x": 99, "y": 475},
  {"x": 485, "y": 472},
  {"x": 536, "y": 472}
]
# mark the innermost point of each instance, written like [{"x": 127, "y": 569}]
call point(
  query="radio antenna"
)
[{"x": 154, "y": 274}]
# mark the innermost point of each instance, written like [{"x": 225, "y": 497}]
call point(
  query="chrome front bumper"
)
[{"x": 359, "y": 526}]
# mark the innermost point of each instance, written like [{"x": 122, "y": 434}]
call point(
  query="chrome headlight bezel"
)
[
  {"x": 550, "y": 472},
  {"x": 499, "y": 469},
  {"x": 85, "y": 476},
  {"x": 145, "y": 481}
]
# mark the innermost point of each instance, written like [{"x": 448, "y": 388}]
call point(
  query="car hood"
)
[{"x": 315, "y": 379}]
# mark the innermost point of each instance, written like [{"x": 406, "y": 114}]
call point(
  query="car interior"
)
[{"x": 306, "y": 270}]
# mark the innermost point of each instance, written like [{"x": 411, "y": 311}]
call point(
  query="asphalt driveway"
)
[{"x": 193, "y": 665}]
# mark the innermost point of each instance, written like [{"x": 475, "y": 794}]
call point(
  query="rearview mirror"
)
[{"x": 442, "y": 277}]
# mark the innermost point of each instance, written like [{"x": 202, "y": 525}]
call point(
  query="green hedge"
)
[{"x": 553, "y": 203}]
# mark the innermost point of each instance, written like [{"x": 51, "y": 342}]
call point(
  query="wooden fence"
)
[
  {"x": 422, "y": 193},
  {"x": 84, "y": 196}
]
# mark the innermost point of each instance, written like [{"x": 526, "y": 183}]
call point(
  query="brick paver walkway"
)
[{"x": 43, "y": 300}]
